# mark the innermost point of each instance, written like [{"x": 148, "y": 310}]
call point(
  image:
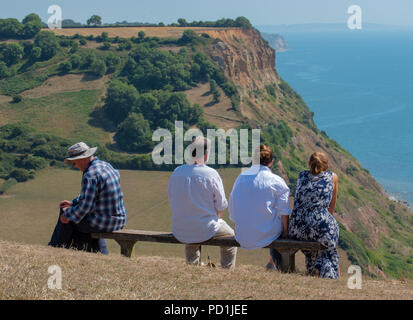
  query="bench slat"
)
[{"x": 167, "y": 237}]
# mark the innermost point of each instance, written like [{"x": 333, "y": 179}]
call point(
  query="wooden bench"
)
[{"x": 287, "y": 247}]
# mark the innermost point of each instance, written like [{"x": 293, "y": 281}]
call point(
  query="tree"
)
[
  {"x": 12, "y": 53},
  {"x": 88, "y": 60},
  {"x": 94, "y": 20},
  {"x": 214, "y": 90},
  {"x": 141, "y": 34},
  {"x": 35, "y": 54},
  {"x": 48, "y": 42},
  {"x": 106, "y": 46},
  {"x": 75, "y": 47},
  {"x": 243, "y": 23},
  {"x": 65, "y": 67},
  {"x": 134, "y": 134},
  {"x": 182, "y": 22},
  {"x": 189, "y": 36},
  {"x": 98, "y": 68},
  {"x": 119, "y": 101},
  {"x": 4, "y": 71},
  {"x": 31, "y": 25},
  {"x": 30, "y": 29},
  {"x": 10, "y": 28},
  {"x": 112, "y": 61},
  {"x": 32, "y": 18},
  {"x": 75, "y": 60}
]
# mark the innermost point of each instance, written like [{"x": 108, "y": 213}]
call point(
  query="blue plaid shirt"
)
[{"x": 101, "y": 198}]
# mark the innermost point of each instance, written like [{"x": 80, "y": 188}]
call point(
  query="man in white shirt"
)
[
  {"x": 197, "y": 197},
  {"x": 259, "y": 206}
]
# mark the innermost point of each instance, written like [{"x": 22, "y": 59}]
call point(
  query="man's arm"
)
[
  {"x": 283, "y": 207},
  {"x": 220, "y": 201},
  {"x": 285, "y": 219},
  {"x": 86, "y": 203}
]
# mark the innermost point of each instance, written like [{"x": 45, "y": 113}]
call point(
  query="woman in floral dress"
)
[{"x": 313, "y": 216}]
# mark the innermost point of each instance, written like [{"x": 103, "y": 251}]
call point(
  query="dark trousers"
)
[
  {"x": 77, "y": 236},
  {"x": 276, "y": 257}
]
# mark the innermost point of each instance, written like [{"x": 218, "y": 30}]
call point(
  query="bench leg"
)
[
  {"x": 126, "y": 247},
  {"x": 287, "y": 260}
]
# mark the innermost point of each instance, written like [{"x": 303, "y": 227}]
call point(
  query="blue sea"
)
[{"x": 359, "y": 84}]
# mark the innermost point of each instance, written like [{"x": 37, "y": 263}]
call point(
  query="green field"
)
[{"x": 28, "y": 214}]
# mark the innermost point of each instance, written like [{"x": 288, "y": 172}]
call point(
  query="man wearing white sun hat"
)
[{"x": 98, "y": 208}]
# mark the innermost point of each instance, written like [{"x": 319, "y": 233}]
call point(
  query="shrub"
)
[
  {"x": 12, "y": 53},
  {"x": 98, "y": 68},
  {"x": 30, "y": 162},
  {"x": 17, "y": 98},
  {"x": 112, "y": 61},
  {"x": 21, "y": 175},
  {"x": 65, "y": 67},
  {"x": 4, "y": 70},
  {"x": 134, "y": 134},
  {"x": 7, "y": 185},
  {"x": 48, "y": 43},
  {"x": 75, "y": 60}
]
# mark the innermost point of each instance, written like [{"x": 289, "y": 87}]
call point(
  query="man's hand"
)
[
  {"x": 63, "y": 218},
  {"x": 65, "y": 204}
]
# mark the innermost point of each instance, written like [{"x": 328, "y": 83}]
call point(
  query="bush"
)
[
  {"x": 106, "y": 46},
  {"x": 12, "y": 53},
  {"x": 7, "y": 185},
  {"x": 134, "y": 134},
  {"x": 35, "y": 54},
  {"x": 48, "y": 43},
  {"x": 98, "y": 68},
  {"x": 65, "y": 67},
  {"x": 112, "y": 61},
  {"x": 4, "y": 70},
  {"x": 17, "y": 98},
  {"x": 21, "y": 175},
  {"x": 30, "y": 162},
  {"x": 75, "y": 60},
  {"x": 119, "y": 101}
]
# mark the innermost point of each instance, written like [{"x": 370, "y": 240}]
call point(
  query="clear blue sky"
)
[{"x": 260, "y": 12}]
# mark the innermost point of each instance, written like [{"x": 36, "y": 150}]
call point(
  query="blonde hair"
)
[{"x": 318, "y": 163}]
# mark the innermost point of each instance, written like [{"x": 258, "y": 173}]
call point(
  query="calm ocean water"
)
[{"x": 360, "y": 87}]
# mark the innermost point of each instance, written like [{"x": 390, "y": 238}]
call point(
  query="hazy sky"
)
[{"x": 260, "y": 12}]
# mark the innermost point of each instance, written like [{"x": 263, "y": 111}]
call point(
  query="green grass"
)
[{"x": 65, "y": 114}]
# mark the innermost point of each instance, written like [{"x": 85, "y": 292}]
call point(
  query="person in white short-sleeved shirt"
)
[
  {"x": 259, "y": 206},
  {"x": 197, "y": 197}
]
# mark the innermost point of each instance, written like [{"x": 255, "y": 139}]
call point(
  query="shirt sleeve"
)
[
  {"x": 75, "y": 201},
  {"x": 220, "y": 201},
  {"x": 282, "y": 205},
  {"x": 86, "y": 201}
]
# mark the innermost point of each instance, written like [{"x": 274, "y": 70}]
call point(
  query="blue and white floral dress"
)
[{"x": 311, "y": 220}]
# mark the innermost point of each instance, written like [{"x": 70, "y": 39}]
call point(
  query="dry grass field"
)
[
  {"x": 29, "y": 212},
  {"x": 24, "y": 275},
  {"x": 128, "y": 32}
]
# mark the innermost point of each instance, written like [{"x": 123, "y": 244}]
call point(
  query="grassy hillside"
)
[
  {"x": 101, "y": 79},
  {"x": 23, "y": 275}
]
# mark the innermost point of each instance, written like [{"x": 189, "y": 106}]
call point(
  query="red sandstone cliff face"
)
[{"x": 245, "y": 58}]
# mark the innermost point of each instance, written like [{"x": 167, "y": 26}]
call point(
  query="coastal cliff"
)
[{"x": 375, "y": 230}]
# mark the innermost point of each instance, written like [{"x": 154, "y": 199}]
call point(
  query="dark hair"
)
[
  {"x": 318, "y": 163},
  {"x": 266, "y": 155}
]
